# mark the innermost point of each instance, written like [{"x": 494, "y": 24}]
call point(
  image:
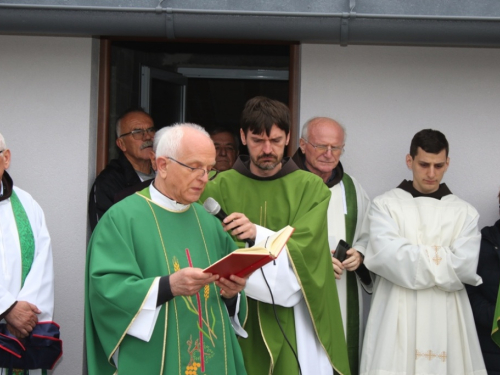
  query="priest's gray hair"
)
[
  {"x": 3, "y": 145},
  {"x": 305, "y": 127},
  {"x": 168, "y": 140}
]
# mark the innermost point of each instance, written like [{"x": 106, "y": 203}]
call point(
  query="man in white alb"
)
[
  {"x": 26, "y": 276},
  {"x": 424, "y": 246}
]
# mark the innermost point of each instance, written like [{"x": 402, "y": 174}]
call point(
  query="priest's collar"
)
[
  {"x": 242, "y": 165},
  {"x": 438, "y": 194},
  {"x": 7, "y": 185},
  {"x": 337, "y": 173},
  {"x": 165, "y": 201}
]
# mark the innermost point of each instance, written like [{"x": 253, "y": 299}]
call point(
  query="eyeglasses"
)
[
  {"x": 2, "y": 151},
  {"x": 200, "y": 171},
  {"x": 138, "y": 134},
  {"x": 323, "y": 148}
]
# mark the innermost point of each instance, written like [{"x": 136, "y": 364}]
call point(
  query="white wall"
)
[
  {"x": 384, "y": 95},
  {"x": 47, "y": 106}
]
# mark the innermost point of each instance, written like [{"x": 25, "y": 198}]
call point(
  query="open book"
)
[{"x": 242, "y": 262}]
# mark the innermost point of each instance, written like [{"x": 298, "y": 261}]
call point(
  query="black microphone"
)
[{"x": 213, "y": 208}]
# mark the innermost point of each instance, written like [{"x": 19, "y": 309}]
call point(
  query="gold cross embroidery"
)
[
  {"x": 442, "y": 356},
  {"x": 437, "y": 259},
  {"x": 430, "y": 355}
]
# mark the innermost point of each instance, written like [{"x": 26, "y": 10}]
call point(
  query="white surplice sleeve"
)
[
  {"x": 143, "y": 326},
  {"x": 280, "y": 277},
  {"x": 38, "y": 287},
  {"x": 362, "y": 232},
  {"x": 361, "y": 235},
  {"x": 430, "y": 253}
]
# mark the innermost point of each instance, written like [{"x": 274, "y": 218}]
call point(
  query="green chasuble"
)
[
  {"x": 300, "y": 199},
  {"x": 495, "y": 332},
  {"x": 134, "y": 243}
]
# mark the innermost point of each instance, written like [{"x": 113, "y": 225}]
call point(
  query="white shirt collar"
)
[
  {"x": 1, "y": 188},
  {"x": 164, "y": 201}
]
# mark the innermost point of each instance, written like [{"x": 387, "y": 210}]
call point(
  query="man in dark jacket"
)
[
  {"x": 135, "y": 132},
  {"x": 483, "y": 298}
]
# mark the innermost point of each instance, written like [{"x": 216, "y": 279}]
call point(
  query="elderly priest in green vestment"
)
[
  {"x": 271, "y": 191},
  {"x": 150, "y": 308}
]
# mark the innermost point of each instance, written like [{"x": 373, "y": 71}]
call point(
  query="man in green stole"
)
[
  {"x": 321, "y": 145},
  {"x": 150, "y": 308},
  {"x": 300, "y": 322},
  {"x": 27, "y": 276}
]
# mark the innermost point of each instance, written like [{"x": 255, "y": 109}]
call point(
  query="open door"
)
[
  {"x": 163, "y": 95},
  {"x": 203, "y": 83}
]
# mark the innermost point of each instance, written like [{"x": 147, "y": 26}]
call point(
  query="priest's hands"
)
[
  {"x": 189, "y": 281},
  {"x": 22, "y": 319},
  {"x": 240, "y": 226},
  {"x": 353, "y": 260},
  {"x": 230, "y": 288}
]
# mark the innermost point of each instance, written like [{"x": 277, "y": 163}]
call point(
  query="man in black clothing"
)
[
  {"x": 135, "y": 132},
  {"x": 483, "y": 298}
]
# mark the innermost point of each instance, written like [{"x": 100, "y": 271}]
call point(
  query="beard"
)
[{"x": 266, "y": 165}]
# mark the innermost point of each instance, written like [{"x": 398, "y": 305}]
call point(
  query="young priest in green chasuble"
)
[
  {"x": 150, "y": 308},
  {"x": 271, "y": 191}
]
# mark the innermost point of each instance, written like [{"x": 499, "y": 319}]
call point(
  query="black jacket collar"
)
[{"x": 492, "y": 234}]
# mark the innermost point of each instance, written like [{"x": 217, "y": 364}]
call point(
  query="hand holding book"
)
[{"x": 243, "y": 262}]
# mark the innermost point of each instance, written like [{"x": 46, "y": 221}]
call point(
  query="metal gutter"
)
[
  {"x": 160, "y": 9},
  {"x": 315, "y": 27}
]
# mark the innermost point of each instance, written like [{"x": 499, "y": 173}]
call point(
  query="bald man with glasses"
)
[
  {"x": 135, "y": 132},
  {"x": 321, "y": 146}
]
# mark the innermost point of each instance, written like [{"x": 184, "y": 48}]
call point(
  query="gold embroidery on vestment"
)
[
  {"x": 430, "y": 355},
  {"x": 437, "y": 259}
]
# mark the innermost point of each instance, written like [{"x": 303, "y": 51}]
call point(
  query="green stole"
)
[
  {"x": 495, "y": 331},
  {"x": 26, "y": 238},
  {"x": 352, "y": 311}
]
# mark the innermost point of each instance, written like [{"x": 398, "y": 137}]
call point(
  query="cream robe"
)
[
  {"x": 420, "y": 321},
  {"x": 337, "y": 209},
  {"x": 39, "y": 285}
]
